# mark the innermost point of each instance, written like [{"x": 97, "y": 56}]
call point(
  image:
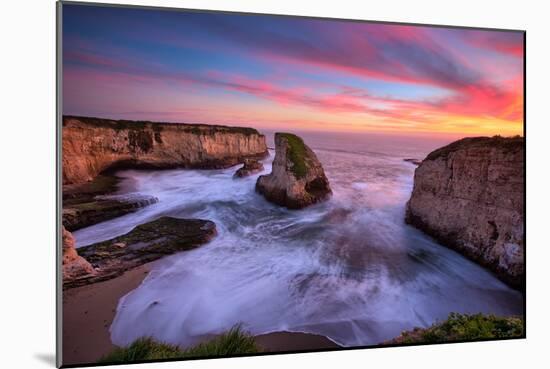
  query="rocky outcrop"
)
[
  {"x": 143, "y": 244},
  {"x": 81, "y": 215},
  {"x": 469, "y": 195},
  {"x": 249, "y": 168},
  {"x": 74, "y": 266},
  {"x": 92, "y": 146},
  {"x": 297, "y": 178},
  {"x": 92, "y": 202}
]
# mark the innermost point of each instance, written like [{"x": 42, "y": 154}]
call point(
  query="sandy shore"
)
[
  {"x": 293, "y": 341},
  {"x": 88, "y": 312}
]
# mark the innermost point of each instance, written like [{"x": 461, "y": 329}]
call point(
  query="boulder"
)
[
  {"x": 297, "y": 179},
  {"x": 249, "y": 168},
  {"x": 470, "y": 196}
]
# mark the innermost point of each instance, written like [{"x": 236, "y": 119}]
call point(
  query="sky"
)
[{"x": 273, "y": 72}]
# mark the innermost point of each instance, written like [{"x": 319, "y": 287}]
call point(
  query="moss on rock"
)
[
  {"x": 296, "y": 153},
  {"x": 297, "y": 177}
]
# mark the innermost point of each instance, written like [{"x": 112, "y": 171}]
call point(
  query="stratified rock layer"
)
[
  {"x": 92, "y": 146},
  {"x": 297, "y": 178},
  {"x": 469, "y": 195},
  {"x": 88, "y": 203},
  {"x": 143, "y": 244}
]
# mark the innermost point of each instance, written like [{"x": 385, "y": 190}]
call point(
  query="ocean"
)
[{"x": 348, "y": 268}]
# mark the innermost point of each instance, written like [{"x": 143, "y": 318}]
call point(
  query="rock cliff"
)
[
  {"x": 75, "y": 267},
  {"x": 469, "y": 195},
  {"x": 297, "y": 178},
  {"x": 92, "y": 146}
]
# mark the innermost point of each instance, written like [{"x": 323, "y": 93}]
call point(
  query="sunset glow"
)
[{"x": 274, "y": 72}]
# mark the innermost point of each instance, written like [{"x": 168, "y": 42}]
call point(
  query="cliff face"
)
[
  {"x": 91, "y": 146},
  {"x": 297, "y": 178},
  {"x": 75, "y": 267},
  {"x": 470, "y": 196}
]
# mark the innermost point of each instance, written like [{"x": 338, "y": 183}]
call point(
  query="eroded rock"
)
[
  {"x": 297, "y": 178},
  {"x": 143, "y": 244},
  {"x": 249, "y": 168},
  {"x": 74, "y": 266},
  {"x": 92, "y": 202},
  {"x": 469, "y": 195},
  {"x": 92, "y": 146}
]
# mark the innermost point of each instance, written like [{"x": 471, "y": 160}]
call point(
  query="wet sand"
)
[
  {"x": 293, "y": 341},
  {"x": 88, "y": 312}
]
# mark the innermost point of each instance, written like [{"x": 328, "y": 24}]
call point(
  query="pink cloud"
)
[{"x": 510, "y": 43}]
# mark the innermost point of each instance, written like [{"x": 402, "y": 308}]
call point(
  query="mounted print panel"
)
[{"x": 242, "y": 184}]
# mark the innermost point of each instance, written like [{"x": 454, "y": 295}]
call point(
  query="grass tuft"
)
[
  {"x": 142, "y": 349},
  {"x": 233, "y": 342}
]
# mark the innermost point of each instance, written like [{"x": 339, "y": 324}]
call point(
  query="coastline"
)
[
  {"x": 88, "y": 312},
  {"x": 293, "y": 341}
]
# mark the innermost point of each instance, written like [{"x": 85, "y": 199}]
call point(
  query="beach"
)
[{"x": 88, "y": 312}]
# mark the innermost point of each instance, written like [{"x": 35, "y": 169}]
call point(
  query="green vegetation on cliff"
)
[
  {"x": 233, "y": 342},
  {"x": 463, "y": 327},
  {"x": 296, "y": 153},
  {"x": 504, "y": 143},
  {"x": 195, "y": 128}
]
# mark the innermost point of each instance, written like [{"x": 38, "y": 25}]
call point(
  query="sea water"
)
[{"x": 348, "y": 268}]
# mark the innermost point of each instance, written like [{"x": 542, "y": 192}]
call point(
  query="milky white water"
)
[{"x": 349, "y": 268}]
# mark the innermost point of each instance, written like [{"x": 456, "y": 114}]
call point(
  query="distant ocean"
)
[{"x": 349, "y": 268}]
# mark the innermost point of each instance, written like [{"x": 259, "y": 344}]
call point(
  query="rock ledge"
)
[{"x": 143, "y": 244}]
